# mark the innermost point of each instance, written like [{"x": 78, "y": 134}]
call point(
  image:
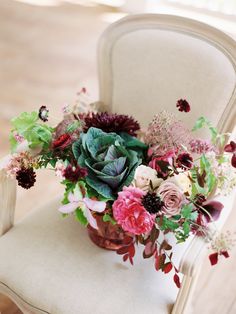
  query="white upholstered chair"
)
[{"x": 49, "y": 265}]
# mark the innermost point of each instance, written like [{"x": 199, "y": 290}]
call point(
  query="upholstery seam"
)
[{"x": 35, "y": 307}]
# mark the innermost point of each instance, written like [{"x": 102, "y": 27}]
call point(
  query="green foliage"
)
[
  {"x": 108, "y": 218},
  {"x": 73, "y": 126},
  {"x": 211, "y": 180},
  {"x": 27, "y": 126},
  {"x": 167, "y": 224},
  {"x": 204, "y": 122},
  {"x": 80, "y": 217}
]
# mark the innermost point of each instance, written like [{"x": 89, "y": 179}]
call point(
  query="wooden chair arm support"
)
[
  {"x": 7, "y": 202},
  {"x": 192, "y": 259}
]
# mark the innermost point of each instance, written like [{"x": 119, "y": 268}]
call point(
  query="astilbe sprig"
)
[{"x": 166, "y": 133}]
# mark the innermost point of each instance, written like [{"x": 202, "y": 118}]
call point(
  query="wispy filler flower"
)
[{"x": 166, "y": 133}]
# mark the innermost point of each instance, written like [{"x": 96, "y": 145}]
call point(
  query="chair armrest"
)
[
  {"x": 7, "y": 201},
  {"x": 193, "y": 256}
]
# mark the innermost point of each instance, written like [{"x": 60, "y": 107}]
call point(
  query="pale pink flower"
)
[
  {"x": 76, "y": 200},
  {"x": 130, "y": 213},
  {"x": 172, "y": 197}
]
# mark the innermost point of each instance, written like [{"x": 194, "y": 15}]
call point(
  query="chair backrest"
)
[{"x": 147, "y": 62}]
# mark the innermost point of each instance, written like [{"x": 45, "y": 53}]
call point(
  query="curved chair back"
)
[{"x": 147, "y": 62}]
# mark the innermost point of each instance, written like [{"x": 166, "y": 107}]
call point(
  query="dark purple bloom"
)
[
  {"x": 183, "y": 105},
  {"x": 26, "y": 177},
  {"x": 231, "y": 148},
  {"x": 152, "y": 203},
  {"x": 43, "y": 113},
  {"x": 184, "y": 161},
  {"x": 211, "y": 210},
  {"x": 109, "y": 122},
  {"x": 73, "y": 174}
]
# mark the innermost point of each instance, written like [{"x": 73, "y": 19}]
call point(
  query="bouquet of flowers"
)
[{"x": 133, "y": 185}]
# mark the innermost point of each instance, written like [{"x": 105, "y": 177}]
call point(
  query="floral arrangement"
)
[{"x": 147, "y": 183}]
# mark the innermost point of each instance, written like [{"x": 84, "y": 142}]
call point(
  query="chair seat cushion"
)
[{"x": 50, "y": 262}]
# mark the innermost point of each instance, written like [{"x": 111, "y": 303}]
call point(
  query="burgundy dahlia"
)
[
  {"x": 183, "y": 105},
  {"x": 73, "y": 174},
  {"x": 43, "y": 113},
  {"x": 109, "y": 122},
  {"x": 184, "y": 161},
  {"x": 26, "y": 177}
]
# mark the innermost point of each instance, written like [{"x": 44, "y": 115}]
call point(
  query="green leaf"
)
[
  {"x": 73, "y": 126},
  {"x": 187, "y": 210},
  {"x": 76, "y": 149},
  {"x": 25, "y": 121},
  {"x": 101, "y": 188},
  {"x": 186, "y": 227},
  {"x": 80, "y": 217},
  {"x": 13, "y": 142},
  {"x": 168, "y": 224},
  {"x": 108, "y": 218}
]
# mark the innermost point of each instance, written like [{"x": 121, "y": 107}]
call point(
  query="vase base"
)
[{"x": 107, "y": 244}]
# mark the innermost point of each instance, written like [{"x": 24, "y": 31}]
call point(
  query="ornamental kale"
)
[{"x": 110, "y": 159}]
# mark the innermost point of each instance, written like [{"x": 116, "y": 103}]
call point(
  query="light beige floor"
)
[{"x": 46, "y": 55}]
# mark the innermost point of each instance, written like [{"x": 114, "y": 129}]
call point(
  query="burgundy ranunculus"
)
[
  {"x": 162, "y": 164},
  {"x": 183, "y": 105},
  {"x": 184, "y": 161},
  {"x": 62, "y": 141}
]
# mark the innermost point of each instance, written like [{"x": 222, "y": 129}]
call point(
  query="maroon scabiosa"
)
[
  {"x": 26, "y": 177},
  {"x": 184, "y": 161},
  {"x": 109, "y": 122},
  {"x": 183, "y": 105},
  {"x": 73, "y": 174},
  {"x": 152, "y": 203},
  {"x": 43, "y": 113}
]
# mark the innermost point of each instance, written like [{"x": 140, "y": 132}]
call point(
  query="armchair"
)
[{"x": 145, "y": 63}]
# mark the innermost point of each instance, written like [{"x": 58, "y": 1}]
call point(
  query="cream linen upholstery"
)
[
  {"x": 51, "y": 263},
  {"x": 48, "y": 264}
]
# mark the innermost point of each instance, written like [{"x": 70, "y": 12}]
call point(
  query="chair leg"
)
[{"x": 183, "y": 304}]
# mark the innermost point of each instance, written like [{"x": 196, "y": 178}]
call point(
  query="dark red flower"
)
[
  {"x": 184, "y": 161},
  {"x": 231, "y": 147},
  {"x": 109, "y": 122},
  {"x": 233, "y": 160},
  {"x": 183, "y": 105},
  {"x": 152, "y": 203},
  {"x": 73, "y": 174},
  {"x": 214, "y": 257},
  {"x": 26, "y": 177},
  {"x": 62, "y": 141},
  {"x": 43, "y": 113},
  {"x": 162, "y": 164},
  {"x": 211, "y": 210}
]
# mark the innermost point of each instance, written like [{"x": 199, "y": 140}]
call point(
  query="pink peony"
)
[
  {"x": 172, "y": 197},
  {"x": 130, "y": 213}
]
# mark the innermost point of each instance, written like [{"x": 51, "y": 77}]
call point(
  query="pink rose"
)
[
  {"x": 172, "y": 197},
  {"x": 130, "y": 213}
]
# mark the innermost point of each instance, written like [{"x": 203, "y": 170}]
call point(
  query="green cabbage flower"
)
[{"x": 110, "y": 159}]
